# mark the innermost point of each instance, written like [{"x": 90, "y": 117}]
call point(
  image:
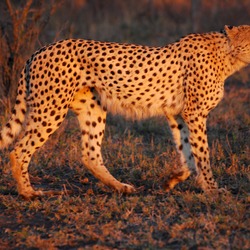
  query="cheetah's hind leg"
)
[
  {"x": 92, "y": 119},
  {"x": 35, "y": 135},
  {"x": 24, "y": 187}
]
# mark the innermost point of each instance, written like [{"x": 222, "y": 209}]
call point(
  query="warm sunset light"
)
[{"x": 124, "y": 124}]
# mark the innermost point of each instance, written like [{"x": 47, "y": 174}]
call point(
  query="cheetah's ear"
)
[{"x": 231, "y": 31}]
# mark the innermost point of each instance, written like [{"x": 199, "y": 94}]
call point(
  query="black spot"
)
[
  {"x": 57, "y": 117},
  {"x": 10, "y": 135},
  {"x": 49, "y": 130},
  {"x": 18, "y": 121},
  {"x": 180, "y": 126}
]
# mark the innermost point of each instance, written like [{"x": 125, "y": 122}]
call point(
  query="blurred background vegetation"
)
[{"x": 26, "y": 25}]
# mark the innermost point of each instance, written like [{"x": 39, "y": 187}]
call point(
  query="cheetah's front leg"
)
[
  {"x": 200, "y": 151},
  {"x": 191, "y": 142},
  {"x": 181, "y": 137}
]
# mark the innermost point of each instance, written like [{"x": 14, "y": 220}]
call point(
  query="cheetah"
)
[{"x": 182, "y": 81}]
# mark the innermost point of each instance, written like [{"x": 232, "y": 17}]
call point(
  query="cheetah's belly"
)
[{"x": 143, "y": 105}]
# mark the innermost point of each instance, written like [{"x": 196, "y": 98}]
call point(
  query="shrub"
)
[{"x": 20, "y": 26}]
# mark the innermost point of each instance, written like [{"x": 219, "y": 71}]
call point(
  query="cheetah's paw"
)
[
  {"x": 39, "y": 193},
  {"x": 29, "y": 195},
  {"x": 127, "y": 189}
]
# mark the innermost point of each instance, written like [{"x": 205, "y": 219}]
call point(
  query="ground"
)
[{"x": 90, "y": 215}]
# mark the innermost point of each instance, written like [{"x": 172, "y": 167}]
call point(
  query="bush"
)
[{"x": 20, "y": 26}]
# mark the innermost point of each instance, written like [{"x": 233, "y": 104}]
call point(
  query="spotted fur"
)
[{"x": 182, "y": 81}]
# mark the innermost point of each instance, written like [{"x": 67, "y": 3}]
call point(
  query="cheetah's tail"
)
[{"x": 14, "y": 125}]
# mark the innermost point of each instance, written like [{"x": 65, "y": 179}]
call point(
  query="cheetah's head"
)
[{"x": 239, "y": 41}]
